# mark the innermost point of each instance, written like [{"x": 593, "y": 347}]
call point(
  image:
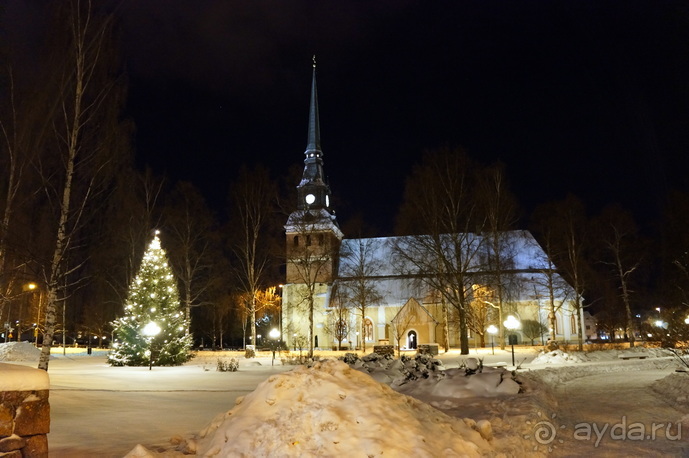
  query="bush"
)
[{"x": 227, "y": 366}]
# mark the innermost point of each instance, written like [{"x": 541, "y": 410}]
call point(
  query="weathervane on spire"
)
[{"x": 314, "y": 61}]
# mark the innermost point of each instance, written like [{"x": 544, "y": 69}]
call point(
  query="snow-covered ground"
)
[{"x": 331, "y": 409}]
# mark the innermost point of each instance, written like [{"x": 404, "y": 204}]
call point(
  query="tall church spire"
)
[
  {"x": 314, "y": 141},
  {"x": 313, "y": 193}
]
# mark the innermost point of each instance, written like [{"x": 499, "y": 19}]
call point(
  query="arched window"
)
[
  {"x": 308, "y": 240},
  {"x": 321, "y": 239},
  {"x": 368, "y": 330},
  {"x": 296, "y": 240},
  {"x": 573, "y": 323}
]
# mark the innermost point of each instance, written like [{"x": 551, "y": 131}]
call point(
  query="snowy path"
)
[{"x": 619, "y": 410}]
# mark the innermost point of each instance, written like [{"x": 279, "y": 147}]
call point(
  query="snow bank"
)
[
  {"x": 21, "y": 378},
  {"x": 558, "y": 357},
  {"x": 424, "y": 377},
  {"x": 674, "y": 388},
  {"x": 19, "y": 351},
  {"x": 332, "y": 410}
]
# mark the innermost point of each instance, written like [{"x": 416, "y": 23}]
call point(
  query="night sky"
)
[{"x": 588, "y": 97}]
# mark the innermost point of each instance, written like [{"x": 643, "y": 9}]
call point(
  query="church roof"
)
[
  {"x": 524, "y": 253},
  {"x": 396, "y": 278},
  {"x": 313, "y": 220}
]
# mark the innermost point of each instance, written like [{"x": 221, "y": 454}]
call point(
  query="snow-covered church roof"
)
[{"x": 395, "y": 265}]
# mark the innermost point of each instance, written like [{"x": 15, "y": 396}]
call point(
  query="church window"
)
[
  {"x": 321, "y": 239},
  {"x": 308, "y": 240},
  {"x": 296, "y": 240},
  {"x": 368, "y": 330}
]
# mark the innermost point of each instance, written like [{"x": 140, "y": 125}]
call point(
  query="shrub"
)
[{"x": 227, "y": 366}]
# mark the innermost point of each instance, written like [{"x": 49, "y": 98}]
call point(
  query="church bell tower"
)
[{"x": 313, "y": 235}]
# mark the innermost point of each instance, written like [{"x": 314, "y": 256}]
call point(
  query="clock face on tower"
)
[{"x": 310, "y": 198}]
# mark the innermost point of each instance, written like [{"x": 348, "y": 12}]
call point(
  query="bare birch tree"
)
[{"x": 84, "y": 88}]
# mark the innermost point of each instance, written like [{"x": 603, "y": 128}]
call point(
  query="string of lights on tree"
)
[{"x": 152, "y": 303}]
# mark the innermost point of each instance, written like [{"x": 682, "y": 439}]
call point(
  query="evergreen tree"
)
[{"x": 153, "y": 298}]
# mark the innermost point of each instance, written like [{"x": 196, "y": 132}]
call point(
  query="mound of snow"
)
[
  {"x": 674, "y": 388},
  {"x": 395, "y": 372},
  {"x": 558, "y": 357},
  {"x": 331, "y": 409},
  {"x": 456, "y": 384},
  {"x": 19, "y": 351}
]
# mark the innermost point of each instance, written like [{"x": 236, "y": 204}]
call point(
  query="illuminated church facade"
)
[{"x": 356, "y": 292}]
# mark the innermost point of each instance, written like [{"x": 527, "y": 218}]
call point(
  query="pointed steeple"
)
[
  {"x": 313, "y": 193},
  {"x": 314, "y": 140}
]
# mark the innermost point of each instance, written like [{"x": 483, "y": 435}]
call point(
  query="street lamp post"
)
[
  {"x": 150, "y": 331},
  {"x": 511, "y": 323},
  {"x": 280, "y": 316},
  {"x": 275, "y": 335},
  {"x": 492, "y": 330}
]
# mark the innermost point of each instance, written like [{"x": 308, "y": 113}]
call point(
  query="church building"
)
[{"x": 346, "y": 293}]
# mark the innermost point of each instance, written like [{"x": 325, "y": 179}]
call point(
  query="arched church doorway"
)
[{"x": 412, "y": 340}]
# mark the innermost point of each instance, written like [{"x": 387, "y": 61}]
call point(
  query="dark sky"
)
[{"x": 589, "y": 97}]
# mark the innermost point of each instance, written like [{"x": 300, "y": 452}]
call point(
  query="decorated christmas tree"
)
[{"x": 153, "y": 328}]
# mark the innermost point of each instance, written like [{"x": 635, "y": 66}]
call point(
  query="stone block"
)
[
  {"x": 6, "y": 420},
  {"x": 13, "y": 398},
  {"x": 32, "y": 418},
  {"x": 36, "y": 447},
  {"x": 11, "y": 443}
]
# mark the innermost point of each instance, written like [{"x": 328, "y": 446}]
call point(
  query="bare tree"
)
[
  {"x": 499, "y": 208},
  {"x": 482, "y": 301},
  {"x": 81, "y": 141},
  {"x": 338, "y": 316},
  {"x": 533, "y": 329},
  {"x": 311, "y": 252},
  {"x": 191, "y": 232},
  {"x": 253, "y": 198},
  {"x": 572, "y": 229},
  {"x": 622, "y": 247},
  {"x": 440, "y": 211},
  {"x": 359, "y": 264}
]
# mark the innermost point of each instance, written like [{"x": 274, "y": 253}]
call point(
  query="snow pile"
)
[
  {"x": 331, "y": 409},
  {"x": 558, "y": 357},
  {"x": 19, "y": 351},
  {"x": 614, "y": 354},
  {"x": 424, "y": 377},
  {"x": 456, "y": 384},
  {"x": 394, "y": 372},
  {"x": 674, "y": 388}
]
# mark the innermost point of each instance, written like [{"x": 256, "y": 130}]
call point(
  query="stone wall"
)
[{"x": 24, "y": 412}]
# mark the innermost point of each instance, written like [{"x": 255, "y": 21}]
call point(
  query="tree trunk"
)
[
  {"x": 311, "y": 305},
  {"x": 463, "y": 337}
]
